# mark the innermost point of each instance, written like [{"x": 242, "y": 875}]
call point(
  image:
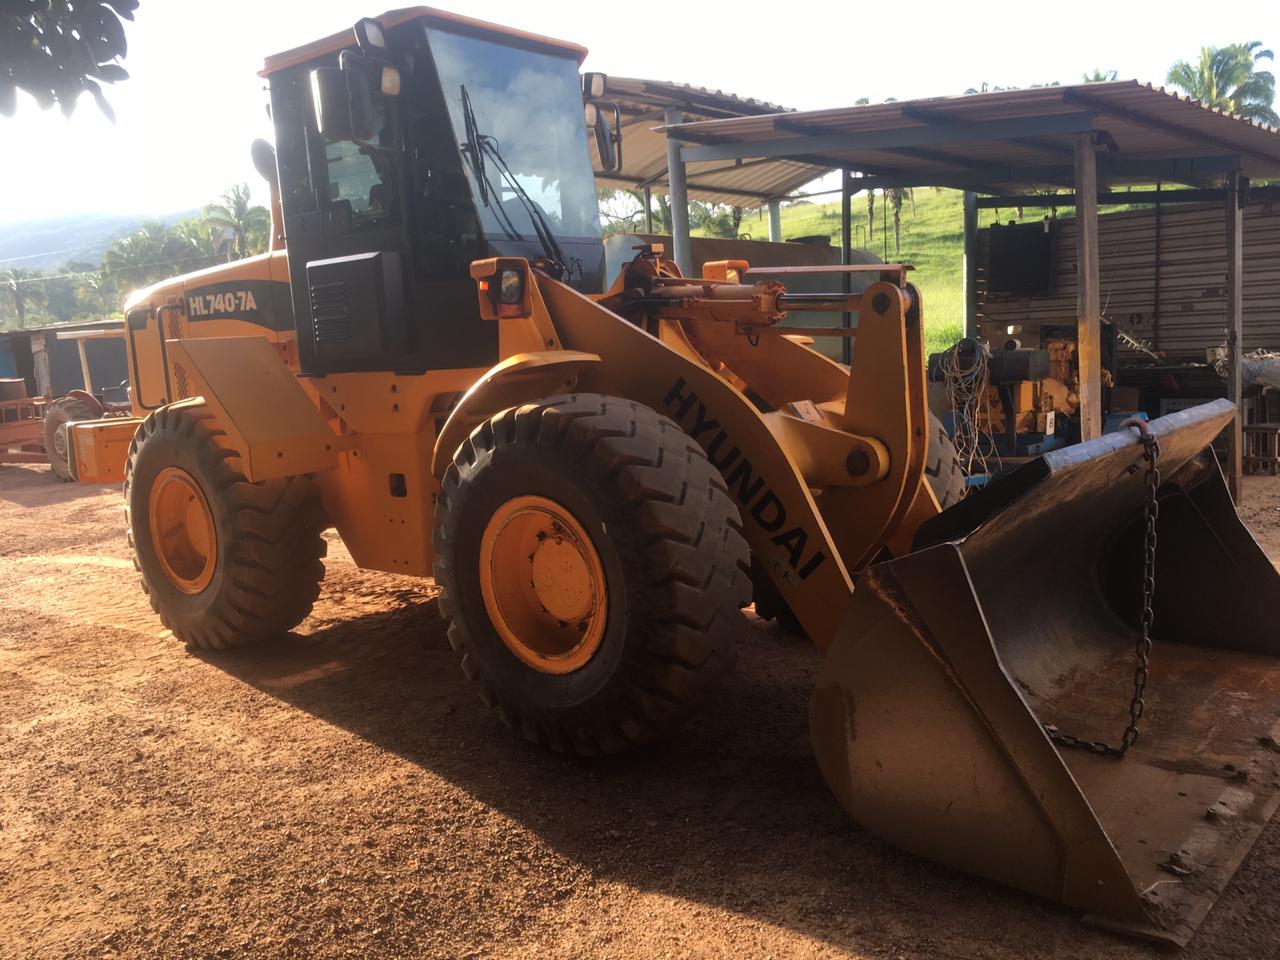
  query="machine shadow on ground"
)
[
  {"x": 38, "y": 487},
  {"x": 733, "y": 812}
]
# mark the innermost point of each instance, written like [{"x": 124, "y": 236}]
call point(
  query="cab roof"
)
[{"x": 393, "y": 18}]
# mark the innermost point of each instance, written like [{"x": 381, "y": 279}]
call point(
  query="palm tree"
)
[
  {"x": 247, "y": 223},
  {"x": 24, "y": 288},
  {"x": 896, "y": 196},
  {"x": 1228, "y": 78},
  {"x": 201, "y": 238},
  {"x": 96, "y": 292},
  {"x": 1100, "y": 76},
  {"x": 151, "y": 253}
]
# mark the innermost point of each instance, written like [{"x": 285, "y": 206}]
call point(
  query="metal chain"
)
[{"x": 1151, "y": 452}]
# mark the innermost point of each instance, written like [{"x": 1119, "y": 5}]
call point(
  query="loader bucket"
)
[{"x": 1018, "y": 608}]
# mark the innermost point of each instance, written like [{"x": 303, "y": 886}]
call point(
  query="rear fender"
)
[
  {"x": 86, "y": 397},
  {"x": 273, "y": 424}
]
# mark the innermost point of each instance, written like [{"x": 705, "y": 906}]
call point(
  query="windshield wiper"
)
[
  {"x": 555, "y": 256},
  {"x": 471, "y": 149},
  {"x": 475, "y": 148}
]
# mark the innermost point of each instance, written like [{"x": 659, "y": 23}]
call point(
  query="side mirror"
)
[
  {"x": 264, "y": 159},
  {"x": 608, "y": 136},
  {"x": 594, "y": 85},
  {"x": 343, "y": 103}
]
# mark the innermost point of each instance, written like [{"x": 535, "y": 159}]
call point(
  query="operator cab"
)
[{"x": 410, "y": 147}]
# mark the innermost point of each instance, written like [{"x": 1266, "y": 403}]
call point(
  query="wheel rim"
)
[
  {"x": 60, "y": 444},
  {"x": 543, "y": 584},
  {"x": 182, "y": 531}
]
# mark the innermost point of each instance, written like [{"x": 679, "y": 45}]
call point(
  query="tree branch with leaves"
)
[{"x": 55, "y": 50}]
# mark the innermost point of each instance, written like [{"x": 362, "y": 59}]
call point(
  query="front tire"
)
[
  {"x": 592, "y": 570},
  {"x": 224, "y": 562}
]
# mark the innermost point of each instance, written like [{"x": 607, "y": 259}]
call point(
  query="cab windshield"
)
[{"x": 530, "y": 104}]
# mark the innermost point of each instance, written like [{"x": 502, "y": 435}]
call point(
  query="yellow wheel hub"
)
[
  {"x": 543, "y": 584},
  {"x": 182, "y": 531}
]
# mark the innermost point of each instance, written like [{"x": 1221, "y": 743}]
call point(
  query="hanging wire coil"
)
[{"x": 967, "y": 377}]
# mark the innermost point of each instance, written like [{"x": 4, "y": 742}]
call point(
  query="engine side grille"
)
[
  {"x": 180, "y": 381},
  {"x": 331, "y": 311}
]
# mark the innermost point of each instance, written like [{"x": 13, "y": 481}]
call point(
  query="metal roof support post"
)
[
  {"x": 970, "y": 264},
  {"x": 1088, "y": 306},
  {"x": 1235, "y": 333},
  {"x": 679, "y": 196},
  {"x": 846, "y": 257},
  {"x": 84, "y": 364},
  {"x": 648, "y": 209},
  {"x": 775, "y": 221}
]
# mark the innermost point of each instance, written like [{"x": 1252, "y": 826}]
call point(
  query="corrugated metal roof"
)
[
  {"x": 747, "y": 183},
  {"x": 1134, "y": 122}
]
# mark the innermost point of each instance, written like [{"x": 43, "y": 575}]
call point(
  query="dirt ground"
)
[{"x": 345, "y": 793}]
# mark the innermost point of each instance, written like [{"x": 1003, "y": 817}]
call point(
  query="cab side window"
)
[
  {"x": 361, "y": 178},
  {"x": 361, "y": 189}
]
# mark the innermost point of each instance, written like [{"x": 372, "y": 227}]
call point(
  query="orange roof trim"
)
[{"x": 393, "y": 18}]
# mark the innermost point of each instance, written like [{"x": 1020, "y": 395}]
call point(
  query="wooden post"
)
[
  {"x": 1088, "y": 308},
  {"x": 40, "y": 359},
  {"x": 1235, "y": 333},
  {"x": 970, "y": 264},
  {"x": 84, "y": 364},
  {"x": 648, "y": 209}
]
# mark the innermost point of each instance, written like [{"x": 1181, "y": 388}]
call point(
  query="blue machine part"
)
[{"x": 1113, "y": 420}]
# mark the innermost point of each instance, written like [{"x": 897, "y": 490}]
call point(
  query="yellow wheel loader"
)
[{"x": 600, "y": 473}]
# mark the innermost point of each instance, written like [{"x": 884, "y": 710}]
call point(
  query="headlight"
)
[
  {"x": 390, "y": 85},
  {"x": 510, "y": 287}
]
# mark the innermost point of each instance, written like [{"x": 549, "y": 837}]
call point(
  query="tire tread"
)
[
  {"x": 274, "y": 563},
  {"x": 689, "y": 592}
]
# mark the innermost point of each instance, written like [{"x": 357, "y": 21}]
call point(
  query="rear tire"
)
[
  {"x": 64, "y": 410},
  {"x": 671, "y": 560},
  {"x": 227, "y": 562}
]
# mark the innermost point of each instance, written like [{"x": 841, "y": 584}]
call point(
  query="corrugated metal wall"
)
[{"x": 1191, "y": 278}]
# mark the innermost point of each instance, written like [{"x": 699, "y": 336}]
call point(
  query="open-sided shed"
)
[
  {"x": 648, "y": 105},
  {"x": 996, "y": 146}
]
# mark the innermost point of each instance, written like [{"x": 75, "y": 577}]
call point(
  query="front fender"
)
[{"x": 518, "y": 379}]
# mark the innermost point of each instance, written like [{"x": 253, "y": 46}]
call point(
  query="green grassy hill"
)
[{"x": 932, "y": 240}]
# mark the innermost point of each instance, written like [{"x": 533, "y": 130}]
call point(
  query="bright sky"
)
[{"x": 193, "y": 102}]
